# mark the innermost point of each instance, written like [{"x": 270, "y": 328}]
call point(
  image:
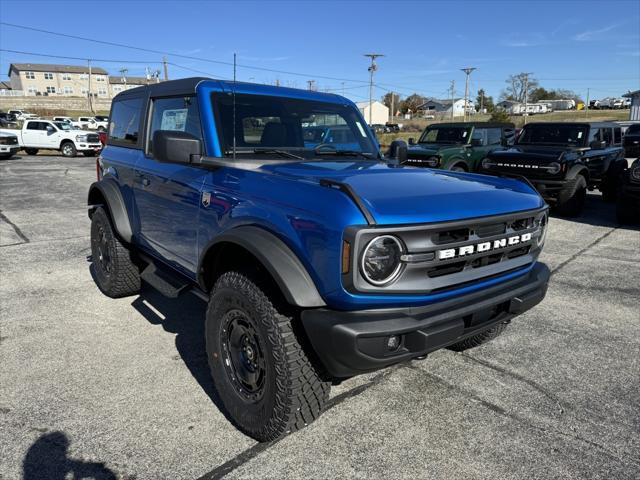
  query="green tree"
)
[
  {"x": 390, "y": 98},
  {"x": 500, "y": 116},
  {"x": 484, "y": 101}
]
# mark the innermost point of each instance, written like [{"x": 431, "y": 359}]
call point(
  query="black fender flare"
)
[
  {"x": 281, "y": 262},
  {"x": 577, "y": 170},
  {"x": 114, "y": 203}
]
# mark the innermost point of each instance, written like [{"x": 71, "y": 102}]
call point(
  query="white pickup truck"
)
[
  {"x": 8, "y": 145},
  {"x": 49, "y": 135},
  {"x": 22, "y": 114},
  {"x": 72, "y": 123},
  {"x": 92, "y": 124}
]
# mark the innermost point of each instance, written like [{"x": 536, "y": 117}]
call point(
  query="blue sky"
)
[{"x": 565, "y": 44}]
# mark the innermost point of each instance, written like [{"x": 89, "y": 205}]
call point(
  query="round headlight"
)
[
  {"x": 486, "y": 163},
  {"x": 554, "y": 168},
  {"x": 381, "y": 260},
  {"x": 433, "y": 161},
  {"x": 635, "y": 174}
]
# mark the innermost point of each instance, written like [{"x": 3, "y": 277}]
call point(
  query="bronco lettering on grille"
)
[{"x": 483, "y": 247}]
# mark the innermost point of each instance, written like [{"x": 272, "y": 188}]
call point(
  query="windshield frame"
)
[
  {"x": 422, "y": 140},
  {"x": 363, "y": 137},
  {"x": 531, "y": 126}
]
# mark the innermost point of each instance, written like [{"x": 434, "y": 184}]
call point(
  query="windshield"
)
[
  {"x": 62, "y": 125},
  {"x": 442, "y": 134},
  {"x": 555, "y": 134},
  {"x": 310, "y": 129}
]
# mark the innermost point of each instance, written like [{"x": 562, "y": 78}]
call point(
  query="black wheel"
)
[
  {"x": 458, "y": 168},
  {"x": 115, "y": 272},
  {"x": 571, "y": 199},
  {"x": 625, "y": 212},
  {"x": 102, "y": 129},
  {"x": 68, "y": 149},
  {"x": 479, "y": 339},
  {"x": 89, "y": 154},
  {"x": 261, "y": 373},
  {"x": 31, "y": 151}
]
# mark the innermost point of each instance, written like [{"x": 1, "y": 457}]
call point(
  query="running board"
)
[{"x": 168, "y": 285}]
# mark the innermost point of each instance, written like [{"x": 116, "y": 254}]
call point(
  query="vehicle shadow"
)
[
  {"x": 48, "y": 458},
  {"x": 597, "y": 213},
  {"x": 183, "y": 316}
]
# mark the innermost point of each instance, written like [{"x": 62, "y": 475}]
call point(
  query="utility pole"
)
[
  {"x": 392, "y": 111},
  {"x": 481, "y": 100},
  {"x": 586, "y": 106},
  {"x": 123, "y": 72},
  {"x": 467, "y": 71},
  {"x": 311, "y": 85},
  {"x": 526, "y": 93},
  {"x": 453, "y": 92},
  {"x": 166, "y": 68},
  {"x": 372, "y": 68},
  {"x": 90, "y": 95}
]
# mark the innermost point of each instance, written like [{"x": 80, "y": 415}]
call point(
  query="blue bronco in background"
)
[{"x": 319, "y": 257}]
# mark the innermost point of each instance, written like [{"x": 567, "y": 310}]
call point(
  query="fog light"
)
[{"x": 393, "y": 342}]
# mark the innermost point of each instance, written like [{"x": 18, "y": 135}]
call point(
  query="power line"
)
[
  {"x": 161, "y": 52},
  {"x": 84, "y": 59}
]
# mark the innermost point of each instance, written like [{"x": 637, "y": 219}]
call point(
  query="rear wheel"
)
[
  {"x": 114, "y": 270},
  {"x": 458, "y": 168},
  {"x": 479, "y": 339},
  {"x": 68, "y": 149},
  {"x": 264, "y": 378},
  {"x": 571, "y": 199},
  {"x": 31, "y": 151}
]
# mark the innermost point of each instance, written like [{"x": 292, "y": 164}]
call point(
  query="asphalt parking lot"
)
[{"x": 108, "y": 388}]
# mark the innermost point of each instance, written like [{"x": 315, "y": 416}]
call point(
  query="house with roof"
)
[
  {"x": 122, "y": 83},
  {"x": 58, "y": 80},
  {"x": 375, "y": 114},
  {"x": 443, "y": 107}
]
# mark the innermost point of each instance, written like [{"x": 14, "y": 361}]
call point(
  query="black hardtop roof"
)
[
  {"x": 184, "y": 86},
  {"x": 579, "y": 124},
  {"x": 473, "y": 124}
]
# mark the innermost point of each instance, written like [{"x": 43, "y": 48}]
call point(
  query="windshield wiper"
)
[
  {"x": 275, "y": 151},
  {"x": 344, "y": 153}
]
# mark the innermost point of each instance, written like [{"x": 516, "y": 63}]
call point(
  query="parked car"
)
[
  {"x": 102, "y": 118},
  {"x": 91, "y": 123},
  {"x": 459, "y": 146},
  {"x": 379, "y": 128},
  {"x": 563, "y": 160},
  {"x": 8, "y": 120},
  {"x": 22, "y": 115},
  {"x": 8, "y": 145},
  {"x": 628, "y": 202},
  {"x": 68, "y": 120},
  {"x": 46, "y": 134},
  {"x": 317, "y": 264},
  {"x": 394, "y": 127},
  {"x": 631, "y": 141}
]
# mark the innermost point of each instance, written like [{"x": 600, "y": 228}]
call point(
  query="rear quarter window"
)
[{"x": 124, "y": 127}]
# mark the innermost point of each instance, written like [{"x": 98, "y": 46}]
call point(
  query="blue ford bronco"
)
[{"x": 319, "y": 260}]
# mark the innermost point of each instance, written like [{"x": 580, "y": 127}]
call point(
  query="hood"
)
[
  {"x": 532, "y": 153},
  {"x": 405, "y": 195},
  {"x": 426, "y": 150}
]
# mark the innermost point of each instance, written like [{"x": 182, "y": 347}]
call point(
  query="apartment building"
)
[
  {"x": 58, "y": 80},
  {"x": 120, "y": 84}
]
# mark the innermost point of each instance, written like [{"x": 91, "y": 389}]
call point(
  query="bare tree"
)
[{"x": 516, "y": 87}]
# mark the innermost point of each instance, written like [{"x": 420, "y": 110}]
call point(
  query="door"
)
[
  {"x": 35, "y": 134},
  {"x": 167, "y": 195},
  {"x": 52, "y": 136},
  {"x": 483, "y": 140}
]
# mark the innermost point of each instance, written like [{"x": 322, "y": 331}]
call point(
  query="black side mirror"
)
[
  {"x": 398, "y": 151},
  {"x": 176, "y": 147},
  {"x": 412, "y": 141},
  {"x": 598, "y": 145}
]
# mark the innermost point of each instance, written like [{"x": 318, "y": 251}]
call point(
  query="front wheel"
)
[
  {"x": 68, "y": 149},
  {"x": 458, "y": 168},
  {"x": 261, "y": 372},
  {"x": 31, "y": 151},
  {"x": 571, "y": 200}
]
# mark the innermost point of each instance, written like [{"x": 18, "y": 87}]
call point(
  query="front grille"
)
[
  {"x": 93, "y": 138},
  {"x": 442, "y": 256},
  {"x": 12, "y": 141}
]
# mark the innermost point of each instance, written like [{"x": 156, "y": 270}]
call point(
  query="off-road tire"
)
[
  {"x": 572, "y": 198},
  {"x": 31, "y": 151},
  {"x": 479, "y": 339},
  {"x": 293, "y": 394},
  {"x": 68, "y": 149},
  {"x": 625, "y": 213},
  {"x": 122, "y": 277},
  {"x": 458, "y": 168}
]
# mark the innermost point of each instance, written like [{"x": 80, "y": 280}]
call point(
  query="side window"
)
[
  {"x": 125, "y": 121},
  {"x": 494, "y": 136},
  {"x": 175, "y": 114},
  {"x": 617, "y": 136},
  {"x": 479, "y": 137},
  {"x": 607, "y": 136},
  {"x": 33, "y": 126},
  {"x": 595, "y": 135}
]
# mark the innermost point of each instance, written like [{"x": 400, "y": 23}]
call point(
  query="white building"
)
[
  {"x": 443, "y": 107},
  {"x": 634, "y": 112},
  {"x": 379, "y": 112}
]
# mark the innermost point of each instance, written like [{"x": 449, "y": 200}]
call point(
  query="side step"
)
[{"x": 168, "y": 285}]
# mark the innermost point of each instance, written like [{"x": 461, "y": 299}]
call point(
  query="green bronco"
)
[{"x": 458, "y": 146}]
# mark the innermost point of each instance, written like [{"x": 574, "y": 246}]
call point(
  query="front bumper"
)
[
  {"x": 95, "y": 147},
  {"x": 12, "y": 149},
  {"x": 355, "y": 342}
]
